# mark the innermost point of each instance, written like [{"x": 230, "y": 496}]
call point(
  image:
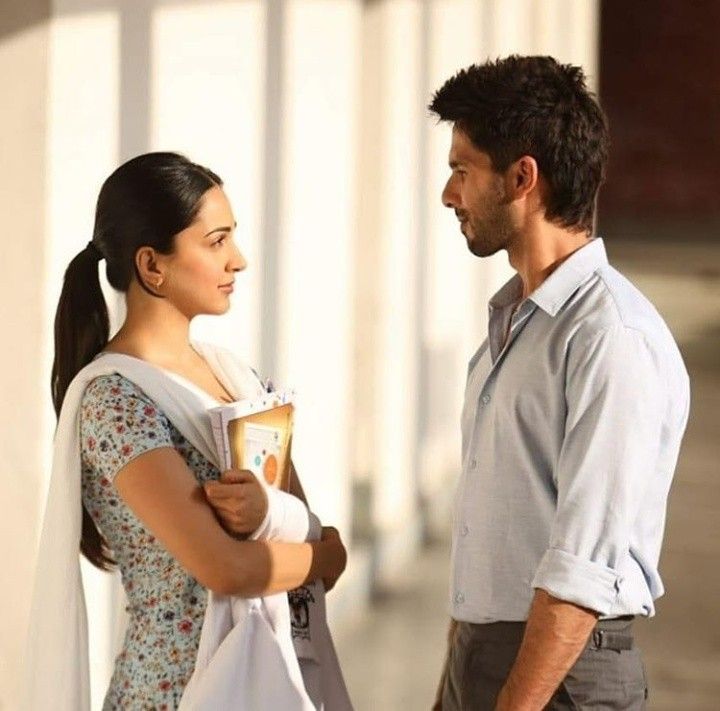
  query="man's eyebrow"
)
[{"x": 220, "y": 229}]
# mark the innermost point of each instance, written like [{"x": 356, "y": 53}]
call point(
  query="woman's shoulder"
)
[
  {"x": 118, "y": 422},
  {"x": 111, "y": 386},
  {"x": 118, "y": 411},
  {"x": 112, "y": 396}
]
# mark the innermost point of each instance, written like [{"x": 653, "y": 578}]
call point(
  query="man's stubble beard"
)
[{"x": 492, "y": 232}]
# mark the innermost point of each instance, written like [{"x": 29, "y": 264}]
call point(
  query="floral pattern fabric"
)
[{"x": 118, "y": 422}]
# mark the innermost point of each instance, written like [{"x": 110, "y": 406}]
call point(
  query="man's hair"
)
[{"x": 534, "y": 106}]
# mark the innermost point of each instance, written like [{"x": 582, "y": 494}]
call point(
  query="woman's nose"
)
[{"x": 238, "y": 262}]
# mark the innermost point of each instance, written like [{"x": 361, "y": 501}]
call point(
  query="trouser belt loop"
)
[{"x": 617, "y": 641}]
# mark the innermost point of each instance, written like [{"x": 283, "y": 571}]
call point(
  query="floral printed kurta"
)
[{"x": 166, "y": 605}]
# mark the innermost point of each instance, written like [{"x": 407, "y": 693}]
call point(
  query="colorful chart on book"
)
[{"x": 263, "y": 448}]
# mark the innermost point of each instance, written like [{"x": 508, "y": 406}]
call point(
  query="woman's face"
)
[{"x": 199, "y": 274}]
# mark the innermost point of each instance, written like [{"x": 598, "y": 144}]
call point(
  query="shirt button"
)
[
  {"x": 459, "y": 598},
  {"x": 485, "y": 399},
  {"x": 463, "y": 530}
]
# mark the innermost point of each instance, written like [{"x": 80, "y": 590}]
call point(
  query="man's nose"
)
[{"x": 449, "y": 196}]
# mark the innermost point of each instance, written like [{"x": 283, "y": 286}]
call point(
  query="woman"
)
[{"x": 151, "y": 501}]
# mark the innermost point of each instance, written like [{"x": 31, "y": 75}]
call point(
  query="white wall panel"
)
[
  {"x": 82, "y": 151},
  {"x": 317, "y": 234},
  {"x": 207, "y": 101}
]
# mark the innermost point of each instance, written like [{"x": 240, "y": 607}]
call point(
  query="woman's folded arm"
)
[{"x": 163, "y": 493}]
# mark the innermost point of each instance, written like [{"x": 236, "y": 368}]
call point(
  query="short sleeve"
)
[{"x": 118, "y": 423}]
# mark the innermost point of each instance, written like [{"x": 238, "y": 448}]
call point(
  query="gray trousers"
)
[{"x": 608, "y": 675}]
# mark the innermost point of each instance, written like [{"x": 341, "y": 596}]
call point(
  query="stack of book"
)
[{"x": 256, "y": 435}]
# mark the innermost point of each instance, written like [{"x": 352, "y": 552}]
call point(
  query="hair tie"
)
[{"x": 92, "y": 247}]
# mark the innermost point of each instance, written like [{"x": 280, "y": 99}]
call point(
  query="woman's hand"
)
[
  {"x": 337, "y": 556},
  {"x": 239, "y": 501}
]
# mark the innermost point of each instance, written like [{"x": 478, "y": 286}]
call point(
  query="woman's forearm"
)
[{"x": 258, "y": 568}]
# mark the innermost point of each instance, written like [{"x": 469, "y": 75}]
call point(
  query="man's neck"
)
[{"x": 540, "y": 250}]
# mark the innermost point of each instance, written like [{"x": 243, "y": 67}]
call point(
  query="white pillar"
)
[
  {"x": 208, "y": 102},
  {"x": 454, "y": 315},
  {"x": 568, "y": 31},
  {"x": 82, "y": 148},
  {"x": 24, "y": 381},
  {"x": 387, "y": 339},
  {"x": 317, "y": 234}
]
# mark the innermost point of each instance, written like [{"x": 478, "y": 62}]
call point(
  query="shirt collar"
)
[
  {"x": 554, "y": 292},
  {"x": 508, "y": 295}
]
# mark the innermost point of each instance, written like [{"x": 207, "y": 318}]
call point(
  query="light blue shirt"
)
[{"x": 570, "y": 435}]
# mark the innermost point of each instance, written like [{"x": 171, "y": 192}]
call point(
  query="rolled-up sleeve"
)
[{"x": 615, "y": 396}]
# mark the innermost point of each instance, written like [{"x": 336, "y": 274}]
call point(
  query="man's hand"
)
[
  {"x": 555, "y": 635},
  {"x": 239, "y": 501}
]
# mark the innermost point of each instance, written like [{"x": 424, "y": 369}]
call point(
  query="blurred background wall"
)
[
  {"x": 660, "y": 85},
  {"x": 660, "y": 214},
  {"x": 360, "y": 292}
]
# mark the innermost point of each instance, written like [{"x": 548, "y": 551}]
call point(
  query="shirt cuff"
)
[
  {"x": 287, "y": 519},
  {"x": 578, "y": 580}
]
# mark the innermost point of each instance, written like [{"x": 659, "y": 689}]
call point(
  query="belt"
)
[{"x": 615, "y": 634}]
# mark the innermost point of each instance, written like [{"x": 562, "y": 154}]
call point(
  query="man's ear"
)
[{"x": 522, "y": 176}]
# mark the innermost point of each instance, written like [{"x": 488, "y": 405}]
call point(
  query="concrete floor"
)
[{"x": 392, "y": 659}]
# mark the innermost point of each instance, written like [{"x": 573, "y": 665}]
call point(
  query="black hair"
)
[
  {"x": 144, "y": 202},
  {"x": 534, "y": 106}
]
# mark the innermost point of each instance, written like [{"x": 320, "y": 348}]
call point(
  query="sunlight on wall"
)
[
  {"x": 317, "y": 233},
  {"x": 82, "y": 138},
  {"x": 360, "y": 292},
  {"x": 394, "y": 167},
  {"x": 82, "y": 148},
  {"x": 453, "y": 308},
  {"x": 207, "y": 102}
]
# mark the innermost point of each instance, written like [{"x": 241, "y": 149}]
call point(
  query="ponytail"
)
[
  {"x": 82, "y": 329},
  {"x": 145, "y": 202}
]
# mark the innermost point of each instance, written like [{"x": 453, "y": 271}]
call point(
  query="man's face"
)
[{"x": 477, "y": 195}]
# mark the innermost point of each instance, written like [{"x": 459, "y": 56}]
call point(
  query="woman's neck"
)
[{"x": 156, "y": 332}]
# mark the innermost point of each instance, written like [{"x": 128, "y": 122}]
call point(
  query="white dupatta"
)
[{"x": 229, "y": 674}]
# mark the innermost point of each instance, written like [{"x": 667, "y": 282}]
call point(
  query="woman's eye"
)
[{"x": 219, "y": 241}]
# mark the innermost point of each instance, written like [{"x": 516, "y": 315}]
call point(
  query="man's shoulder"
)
[
  {"x": 611, "y": 301},
  {"x": 612, "y": 307}
]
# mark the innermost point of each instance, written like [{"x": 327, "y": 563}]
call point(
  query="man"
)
[{"x": 575, "y": 407}]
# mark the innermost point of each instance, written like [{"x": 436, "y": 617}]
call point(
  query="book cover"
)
[{"x": 256, "y": 434}]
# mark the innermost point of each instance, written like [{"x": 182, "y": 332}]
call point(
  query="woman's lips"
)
[{"x": 227, "y": 288}]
